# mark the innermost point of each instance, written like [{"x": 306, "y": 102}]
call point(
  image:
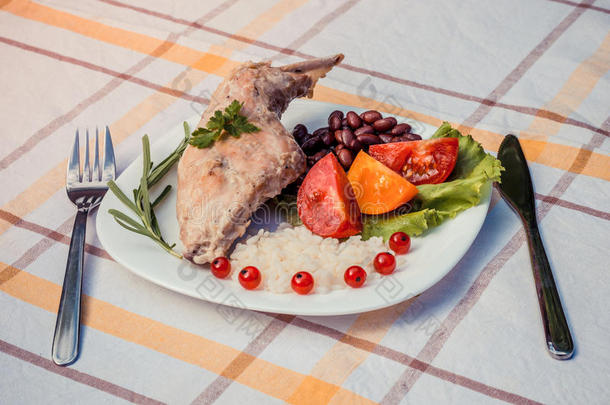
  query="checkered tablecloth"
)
[{"x": 538, "y": 69}]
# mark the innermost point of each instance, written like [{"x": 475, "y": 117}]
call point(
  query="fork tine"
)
[
  {"x": 109, "y": 166},
  {"x": 87, "y": 166},
  {"x": 97, "y": 170},
  {"x": 73, "y": 173}
]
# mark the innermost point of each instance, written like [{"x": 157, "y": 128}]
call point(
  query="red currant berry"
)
[
  {"x": 249, "y": 277},
  {"x": 385, "y": 263},
  {"x": 221, "y": 267},
  {"x": 355, "y": 276},
  {"x": 400, "y": 243},
  {"x": 302, "y": 282}
]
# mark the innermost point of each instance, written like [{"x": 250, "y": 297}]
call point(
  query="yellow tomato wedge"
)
[{"x": 378, "y": 189}]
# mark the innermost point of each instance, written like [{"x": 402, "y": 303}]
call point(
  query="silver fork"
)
[{"x": 85, "y": 191}]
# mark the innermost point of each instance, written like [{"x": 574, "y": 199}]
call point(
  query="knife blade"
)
[{"x": 517, "y": 190}]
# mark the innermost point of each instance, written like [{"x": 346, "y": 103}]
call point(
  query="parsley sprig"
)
[
  {"x": 142, "y": 205},
  {"x": 230, "y": 122}
]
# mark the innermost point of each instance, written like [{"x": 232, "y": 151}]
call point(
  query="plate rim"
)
[{"x": 103, "y": 218}]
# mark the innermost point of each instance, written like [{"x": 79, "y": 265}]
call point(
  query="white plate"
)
[{"x": 431, "y": 257}]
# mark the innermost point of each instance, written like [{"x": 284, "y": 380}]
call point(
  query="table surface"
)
[{"x": 537, "y": 69}]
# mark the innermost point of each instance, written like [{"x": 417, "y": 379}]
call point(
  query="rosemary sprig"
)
[{"x": 141, "y": 204}]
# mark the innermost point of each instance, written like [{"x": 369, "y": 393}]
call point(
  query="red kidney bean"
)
[
  {"x": 311, "y": 144},
  {"x": 394, "y": 122},
  {"x": 339, "y": 147},
  {"x": 299, "y": 133},
  {"x": 368, "y": 139},
  {"x": 353, "y": 120},
  {"x": 338, "y": 113},
  {"x": 334, "y": 122},
  {"x": 338, "y": 136},
  {"x": 384, "y": 124},
  {"x": 319, "y": 155},
  {"x": 400, "y": 129},
  {"x": 355, "y": 145},
  {"x": 344, "y": 123},
  {"x": 320, "y": 131},
  {"x": 346, "y": 157},
  {"x": 386, "y": 138},
  {"x": 347, "y": 136},
  {"x": 412, "y": 137},
  {"x": 365, "y": 129},
  {"x": 327, "y": 138},
  {"x": 325, "y": 135},
  {"x": 370, "y": 116}
]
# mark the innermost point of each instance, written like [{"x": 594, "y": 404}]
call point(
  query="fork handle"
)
[
  {"x": 557, "y": 332},
  {"x": 67, "y": 327}
]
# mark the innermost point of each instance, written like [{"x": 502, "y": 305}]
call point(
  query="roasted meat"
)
[{"x": 221, "y": 186}]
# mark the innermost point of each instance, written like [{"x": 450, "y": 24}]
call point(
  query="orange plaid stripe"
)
[
  {"x": 214, "y": 61},
  {"x": 179, "y": 344},
  {"x": 48, "y": 184},
  {"x": 574, "y": 91},
  {"x": 339, "y": 362}
]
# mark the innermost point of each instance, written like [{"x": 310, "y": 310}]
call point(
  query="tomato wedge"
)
[
  {"x": 429, "y": 161},
  {"x": 378, "y": 189},
  {"x": 326, "y": 202}
]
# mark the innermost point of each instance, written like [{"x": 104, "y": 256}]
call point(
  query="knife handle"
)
[{"x": 556, "y": 329}]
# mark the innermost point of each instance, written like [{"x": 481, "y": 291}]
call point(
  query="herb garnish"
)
[
  {"x": 230, "y": 122},
  {"x": 141, "y": 204}
]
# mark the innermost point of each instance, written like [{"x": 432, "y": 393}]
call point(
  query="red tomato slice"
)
[
  {"x": 429, "y": 161},
  {"x": 326, "y": 202}
]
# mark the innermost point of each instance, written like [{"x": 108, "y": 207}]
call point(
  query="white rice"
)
[{"x": 280, "y": 254}]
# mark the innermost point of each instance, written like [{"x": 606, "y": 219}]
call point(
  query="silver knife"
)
[{"x": 516, "y": 189}]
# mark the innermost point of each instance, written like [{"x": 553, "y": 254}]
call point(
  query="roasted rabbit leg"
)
[{"x": 221, "y": 186}]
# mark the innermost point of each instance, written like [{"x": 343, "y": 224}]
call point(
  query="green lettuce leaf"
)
[
  {"x": 437, "y": 202},
  {"x": 413, "y": 223}
]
